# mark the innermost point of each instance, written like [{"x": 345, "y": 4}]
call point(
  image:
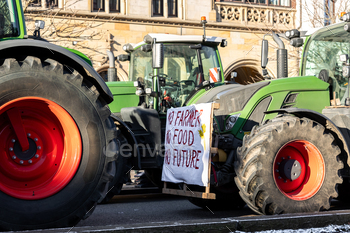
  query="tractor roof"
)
[{"x": 171, "y": 38}]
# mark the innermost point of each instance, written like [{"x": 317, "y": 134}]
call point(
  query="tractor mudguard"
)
[
  {"x": 126, "y": 131},
  {"x": 44, "y": 50},
  {"x": 340, "y": 134},
  {"x": 146, "y": 126}
]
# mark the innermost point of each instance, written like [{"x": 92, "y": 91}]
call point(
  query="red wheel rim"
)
[
  {"x": 53, "y": 156},
  {"x": 304, "y": 183}
]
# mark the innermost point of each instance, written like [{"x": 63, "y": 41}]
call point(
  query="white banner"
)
[{"x": 187, "y": 144}]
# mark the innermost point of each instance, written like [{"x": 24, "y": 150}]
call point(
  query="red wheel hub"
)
[
  {"x": 299, "y": 170},
  {"x": 40, "y": 150}
]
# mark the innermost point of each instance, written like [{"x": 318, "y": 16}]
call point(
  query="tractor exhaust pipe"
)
[
  {"x": 112, "y": 71},
  {"x": 282, "y": 57}
]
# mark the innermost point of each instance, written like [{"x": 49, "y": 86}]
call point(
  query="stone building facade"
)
[{"x": 94, "y": 26}]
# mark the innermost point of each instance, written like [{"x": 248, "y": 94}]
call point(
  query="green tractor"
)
[
  {"x": 58, "y": 141},
  {"x": 239, "y": 172},
  {"x": 298, "y": 160}
]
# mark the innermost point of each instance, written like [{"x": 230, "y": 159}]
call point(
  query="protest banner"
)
[{"x": 188, "y": 146}]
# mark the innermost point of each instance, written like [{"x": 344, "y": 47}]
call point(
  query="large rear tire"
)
[
  {"x": 288, "y": 165},
  {"x": 65, "y": 171}
]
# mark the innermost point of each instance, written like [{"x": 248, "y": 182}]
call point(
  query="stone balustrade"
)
[{"x": 257, "y": 16}]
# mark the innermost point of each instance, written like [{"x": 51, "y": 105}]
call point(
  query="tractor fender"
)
[
  {"x": 44, "y": 50},
  {"x": 339, "y": 134},
  {"x": 126, "y": 131}
]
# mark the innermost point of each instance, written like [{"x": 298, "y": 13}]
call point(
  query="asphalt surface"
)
[{"x": 148, "y": 208}]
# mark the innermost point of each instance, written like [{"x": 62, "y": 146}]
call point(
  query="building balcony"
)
[{"x": 256, "y": 16}]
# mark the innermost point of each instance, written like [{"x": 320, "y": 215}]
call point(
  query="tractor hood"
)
[{"x": 232, "y": 98}]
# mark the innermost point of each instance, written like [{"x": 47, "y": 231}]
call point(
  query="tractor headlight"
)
[{"x": 231, "y": 121}]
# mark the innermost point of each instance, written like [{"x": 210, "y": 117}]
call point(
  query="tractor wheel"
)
[
  {"x": 225, "y": 200},
  {"x": 58, "y": 145},
  {"x": 121, "y": 173},
  {"x": 288, "y": 165}
]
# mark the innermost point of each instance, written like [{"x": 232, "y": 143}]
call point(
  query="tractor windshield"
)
[
  {"x": 322, "y": 53},
  {"x": 8, "y": 19},
  {"x": 182, "y": 70}
]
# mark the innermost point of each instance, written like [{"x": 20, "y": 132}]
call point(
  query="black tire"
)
[
  {"x": 229, "y": 200},
  {"x": 121, "y": 174},
  {"x": 31, "y": 77},
  {"x": 255, "y": 166}
]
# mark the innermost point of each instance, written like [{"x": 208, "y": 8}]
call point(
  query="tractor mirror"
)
[
  {"x": 146, "y": 48},
  {"x": 123, "y": 57},
  {"x": 157, "y": 55},
  {"x": 264, "y": 53},
  {"x": 39, "y": 24}
]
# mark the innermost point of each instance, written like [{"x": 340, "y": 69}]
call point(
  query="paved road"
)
[{"x": 130, "y": 209}]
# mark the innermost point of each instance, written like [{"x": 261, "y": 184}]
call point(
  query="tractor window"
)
[
  {"x": 183, "y": 73},
  {"x": 322, "y": 52},
  {"x": 209, "y": 60},
  {"x": 8, "y": 19},
  {"x": 141, "y": 67},
  {"x": 181, "y": 70}
]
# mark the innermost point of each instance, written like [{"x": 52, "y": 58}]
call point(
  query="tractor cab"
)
[
  {"x": 322, "y": 58},
  {"x": 189, "y": 64}
]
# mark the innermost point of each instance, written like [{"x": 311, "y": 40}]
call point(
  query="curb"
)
[{"x": 244, "y": 224}]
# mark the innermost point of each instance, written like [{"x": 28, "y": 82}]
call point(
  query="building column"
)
[{"x": 107, "y": 6}]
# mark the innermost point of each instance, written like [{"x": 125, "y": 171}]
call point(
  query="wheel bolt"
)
[
  {"x": 21, "y": 162},
  {"x": 289, "y": 157},
  {"x": 35, "y": 139},
  {"x": 285, "y": 181},
  {"x": 294, "y": 174},
  {"x": 36, "y": 156},
  {"x": 295, "y": 165},
  {"x": 11, "y": 149},
  {"x": 282, "y": 158},
  {"x": 279, "y": 177},
  {"x": 28, "y": 134},
  {"x": 277, "y": 170},
  {"x": 14, "y": 157},
  {"x": 30, "y": 161},
  {"x": 39, "y": 147},
  {"x": 13, "y": 140},
  {"x": 278, "y": 163}
]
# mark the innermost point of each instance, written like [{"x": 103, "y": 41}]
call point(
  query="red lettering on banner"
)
[
  {"x": 184, "y": 137},
  {"x": 193, "y": 118},
  {"x": 198, "y": 117},
  {"x": 175, "y": 156},
  {"x": 181, "y": 119},
  {"x": 190, "y": 143},
  {"x": 186, "y": 116},
  {"x": 168, "y": 137},
  {"x": 188, "y": 159},
  {"x": 197, "y": 159},
  {"x": 167, "y": 156},
  {"x": 177, "y": 117},
  {"x": 179, "y": 159},
  {"x": 171, "y": 117},
  {"x": 180, "y": 137},
  {"x": 183, "y": 159},
  {"x": 175, "y": 135}
]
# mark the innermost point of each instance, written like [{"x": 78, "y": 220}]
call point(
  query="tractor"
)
[
  {"x": 298, "y": 160},
  {"x": 180, "y": 75},
  {"x": 58, "y": 142}
]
